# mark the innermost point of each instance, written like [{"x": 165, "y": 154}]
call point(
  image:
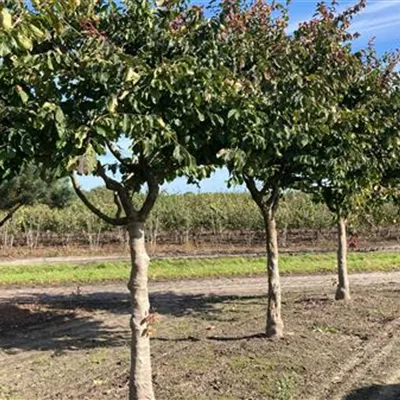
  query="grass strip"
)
[{"x": 175, "y": 269}]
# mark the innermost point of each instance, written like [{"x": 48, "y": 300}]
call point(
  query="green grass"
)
[{"x": 193, "y": 268}]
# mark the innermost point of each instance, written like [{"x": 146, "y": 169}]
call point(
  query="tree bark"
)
[
  {"x": 343, "y": 289},
  {"x": 274, "y": 327},
  {"x": 140, "y": 384}
]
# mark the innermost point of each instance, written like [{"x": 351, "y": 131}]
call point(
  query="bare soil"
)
[
  {"x": 72, "y": 343},
  {"x": 174, "y": 243}
]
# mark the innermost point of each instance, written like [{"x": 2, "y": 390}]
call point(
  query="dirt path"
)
[
  {"x": 218, "y": 286},
  {"x": 87, "y": 330}
]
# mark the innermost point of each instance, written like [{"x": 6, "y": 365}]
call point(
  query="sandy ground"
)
[{"x": 220, "y": 286}]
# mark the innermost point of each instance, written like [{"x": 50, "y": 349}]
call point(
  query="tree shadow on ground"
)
[
  {"x": 212, "y": 338},
  {"x": 42, "y": 328},
  {"x": 165, "y": 303},
  {"x": 14, "y": 317},
  {"x": 79, "y": 321},
  {"x": 375, "y": 392}
]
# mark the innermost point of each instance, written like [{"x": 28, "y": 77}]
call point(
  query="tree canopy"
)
[
  {"x": 19, "y": 30},
  {"x": 113, "y": 73}
]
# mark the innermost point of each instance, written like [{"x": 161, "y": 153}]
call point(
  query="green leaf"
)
[
  {"x": 24, "y": 41},
  {"x": 101, "y": 130},
  {"x": 5, "y": 19},
  {"x": 112, "y": 104},
  {"x": 4, "y": 49},
  {"x": 161, "y": 123},
  {"x": 234, "y": 113},
  {"x": 36, "y": 32},
  {"x": 24, "y": 97},
  {"x": 60, "y": 117},
  {"x": 50, "y": 62},
  {"x": 123, "y": 95},
  {"x": 201, "y": 116},
  {"x": 177, "y": 154},
  {"x": 132, "y": 76}
]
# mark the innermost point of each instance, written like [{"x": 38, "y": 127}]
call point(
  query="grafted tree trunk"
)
[
  {"x": 343, "y": 289},
  {"x": 267, "y": 201},
  {"x": 140, "y": 381},
  {"x": 274, "y": 320},
  {"x": 140, "y": 385}
]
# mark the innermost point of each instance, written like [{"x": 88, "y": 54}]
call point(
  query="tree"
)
[
  {"x": 32, "y": 186},
  {"x": 253, "y": 46},
  {"x": 59, "y": 193},
  {"x": 288, "y": 89},
  {"x": 110, "y": 74},
  {"x": 387, "y": 149},
  {"x": 361, "y": 137}
]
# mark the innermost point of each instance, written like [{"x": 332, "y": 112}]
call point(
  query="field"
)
[{"x": 60, "y": 343}]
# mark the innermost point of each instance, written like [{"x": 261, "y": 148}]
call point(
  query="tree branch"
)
[
  {"x": 255, "y": 193},
  {"x": 10, "y": 213},
  {"x": 111, "y": 184},
  {"x": 116, "y": 153},
  {"x": 259, "y": 195},
  {"x": 95, "y": 210},
  {"x": 154, "y": 190},
  {"x": 122, "y": 191},
  {"x": 117, "y": 202}
]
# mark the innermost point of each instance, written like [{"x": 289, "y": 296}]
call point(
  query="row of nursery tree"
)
[
  {"x": 171, "y": 90},
  {"x": 51, "y": 212}
]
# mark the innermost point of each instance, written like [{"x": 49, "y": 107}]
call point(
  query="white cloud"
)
[
  {"x": 380, "y": 5},
  {"x": 380, "y": 18},
  {"x": 378, "y": 23},
  {"x": 375, "y": 15}
]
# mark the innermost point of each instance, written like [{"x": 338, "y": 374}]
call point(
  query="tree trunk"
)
[
  {"x": 140, "y": 383},
  {"x": 274, "y": 320},
  {"x": 343, "y": 289}
]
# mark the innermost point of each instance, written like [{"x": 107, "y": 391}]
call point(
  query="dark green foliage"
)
[
  {"x": 26, "y": 188},
  {"x": 32, "y": 186}
]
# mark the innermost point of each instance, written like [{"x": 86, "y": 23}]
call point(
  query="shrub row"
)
[{"x": 214, "y": 213}]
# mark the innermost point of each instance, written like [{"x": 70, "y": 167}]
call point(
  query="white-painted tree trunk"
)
[
  {"x": 140, "y": 384},
  {"x": 274, "y": 320},
  {"x": 343, "y": 289}
]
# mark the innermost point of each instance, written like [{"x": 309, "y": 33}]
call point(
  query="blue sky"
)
[{"x": 381, "y": 19}]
